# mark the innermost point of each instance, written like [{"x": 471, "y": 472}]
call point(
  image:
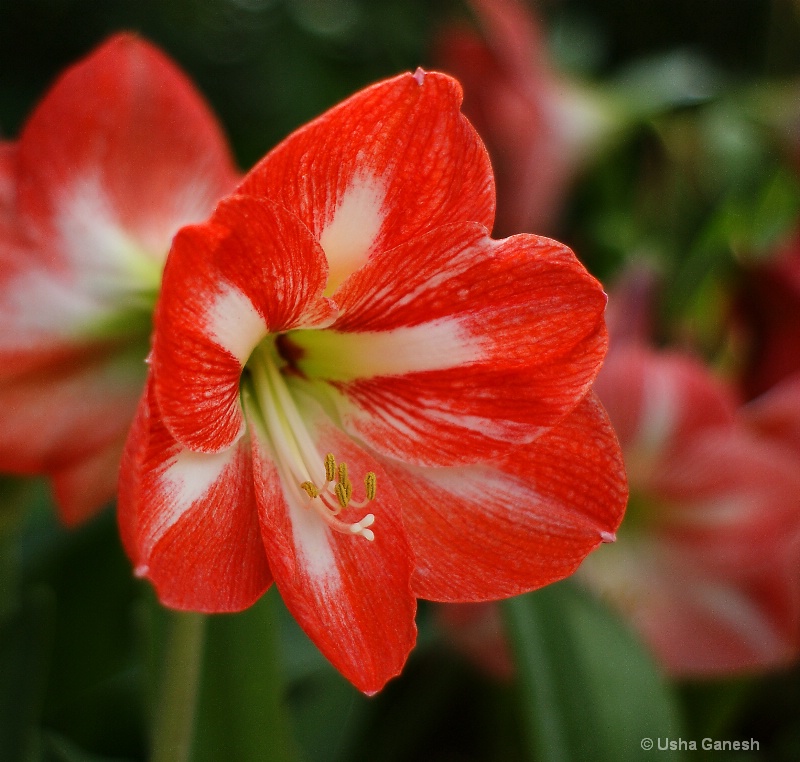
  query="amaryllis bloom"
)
[
  {"x": 707, "y": 565},
  {"x": 539, "y": 126},
  {"x": 357, "y": 393},
  {"x": 118, "y": 155}
]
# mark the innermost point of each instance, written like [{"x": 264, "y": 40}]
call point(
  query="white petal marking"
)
[
  {"x": 64, "y": 309},
  {"x": 109, "y": 260},
  {"x": 338, "y": 356},
  {"x": 741, "y": 615},
  {"x": 659, "y": 412},
  {"x": 355, "y": 225},
  {"x": 312, "y": 539},
  {"x": 234, "y": 322},
  {"x": 187, "y": 479}
]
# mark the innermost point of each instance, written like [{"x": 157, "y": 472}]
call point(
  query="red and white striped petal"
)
[
  {"x": 47, "y": 318},
  {"x": 352, "y": 596},
  {"x": 730, "y": 499},
  {"x": 189, "y": 521},
  {"x": 253, "y": 269},
  {"x": 393, "y": 161},
  {"x": 707, "y": 627},
  {"x": 658, "y": 400},
  {"x": 495, "y": 530},
  {"x": 121, "y": 152},
  {"x": 84, "y": 487},
  {"x": 700, "y": 623},
  {"x": 55, "y": 416},
  {"x": 453, "y": 345}
]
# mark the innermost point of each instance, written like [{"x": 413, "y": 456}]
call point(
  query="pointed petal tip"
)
[
  {"x": 419, "y": 75},
  {"x": 608, "y": 536},
  {"x": 141, "y": 571}
]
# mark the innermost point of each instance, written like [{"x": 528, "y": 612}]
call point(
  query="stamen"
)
[
  {"x": 310, "y": 489},
  {"x": 371, "y": 485},
  {"x": 330, "y": 467},
  {"x": 343, "y": 473},
  {"x": 343, "y": 490},
  {"x": 296, "y": 453}
]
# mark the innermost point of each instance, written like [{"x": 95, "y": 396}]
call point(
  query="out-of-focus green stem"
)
[{"x": 179, "y": 688}]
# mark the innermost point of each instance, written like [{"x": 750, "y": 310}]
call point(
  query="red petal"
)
[
  {"x": 8, "y": 181},
  {"x": 351, "y": 596},
  {"x": 85, "y": 487},
  {"x": 189, "y": 521},
  {"x": 391, "y": 162},
  {"x": 496, "y": 530},
  {"x": 703, "y": 628},
  {"x": 732, "y": 500},
  {"x": 252, "y": 269},
  {"x": 122, "y": 141},
  {"x": 776, "y": 414},
  {"x": 68, "y": 411},
  {"x": 454, "y": 345},
  {"x": 657, "y": 401},
  {"x": 533, "y": 122}
]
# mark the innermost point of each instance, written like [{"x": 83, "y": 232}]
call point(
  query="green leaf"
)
[{"x": 588, "y": 688}]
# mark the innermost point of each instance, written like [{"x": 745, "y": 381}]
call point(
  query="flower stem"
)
[{"x": 179, "y": 688}]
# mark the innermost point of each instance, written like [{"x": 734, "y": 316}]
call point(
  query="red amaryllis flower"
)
[
  {"x": 357, "y": 393},
  {"x": 707, "y": 565},
  {"x": 120, "y": 153},
  {"x": 539, "y": 127}
]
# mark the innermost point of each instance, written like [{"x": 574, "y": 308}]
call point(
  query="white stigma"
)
[{"x": 360, "y": 527}]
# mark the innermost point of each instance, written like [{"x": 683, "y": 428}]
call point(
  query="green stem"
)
[{"x": 179, "y": 688}]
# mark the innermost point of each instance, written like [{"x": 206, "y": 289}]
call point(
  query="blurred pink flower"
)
[
  {"x": 776, "y": 414},
  {"x": 120, "y": 153},
  {"x": 707, "y": 564},
  {"x": 538, "y": 126}
]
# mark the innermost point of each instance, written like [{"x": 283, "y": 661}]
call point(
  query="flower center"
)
[{"x": 298, "y": 460}]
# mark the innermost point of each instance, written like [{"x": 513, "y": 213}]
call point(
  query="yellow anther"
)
[
  {"x": 310, "y": 489},
  {"x": 343, "y": 478},
  {"x": 330, "y": 467},
  {"x": 370, "y": 484},
  {"x": 343, "y": 491}
]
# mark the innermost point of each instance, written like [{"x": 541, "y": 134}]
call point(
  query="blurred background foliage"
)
[{"x": 696, "y": 187}]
